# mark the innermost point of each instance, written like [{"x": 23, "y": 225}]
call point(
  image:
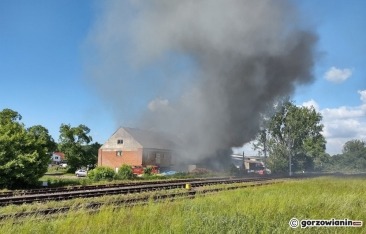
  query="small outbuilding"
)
[
  {"x": 57, "y": 157},
  {"x": 136, "y": 147}
]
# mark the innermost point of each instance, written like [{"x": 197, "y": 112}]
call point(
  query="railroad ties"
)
[
  {"x": 96, "y": 191},
  {"x": 109, "y": 190}
]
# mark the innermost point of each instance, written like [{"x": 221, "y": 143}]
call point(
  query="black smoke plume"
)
[{"x": 243, "y": 55}]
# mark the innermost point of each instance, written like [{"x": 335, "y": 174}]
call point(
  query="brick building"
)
[{"x": 136, "y": 147}]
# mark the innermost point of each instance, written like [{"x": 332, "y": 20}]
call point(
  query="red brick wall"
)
[{"x": 110, "y": 158}]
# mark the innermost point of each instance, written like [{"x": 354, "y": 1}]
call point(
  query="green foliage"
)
[
  {"x": 278, "y": 162},
  {"x": 56, "y": 169},
  {"x": 147, "y": 171},
  {"x": 125, "y": 172},
  {"x": 101, "y": 173},
  {"x": 91, "y": 154},
  {"x": 353, "y": 146},
  {"x": 250, "y": 210},
  {"x": 74, "y": 143},
  {"x": 353, "y": 158},
  {"x": 24, "y": 153},
  {"x": 294, "y": 131}
]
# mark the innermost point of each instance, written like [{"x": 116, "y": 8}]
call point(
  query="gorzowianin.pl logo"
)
[{"x": 294, "y": 223}]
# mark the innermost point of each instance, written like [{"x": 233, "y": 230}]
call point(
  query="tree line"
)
[
  {"x": 293, "y": 136},
  {"x": 352, "y": 159},
  {"x": 25, "y": 153}
]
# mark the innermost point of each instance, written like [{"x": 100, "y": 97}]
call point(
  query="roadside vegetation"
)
[
  {"x": 352, "y": 159},
  {"x": 104, "y": 175},
  {"x": 292, "y": 132},
  {"x": 25, "y": 153},
  {"x": 265, "y": 209}
]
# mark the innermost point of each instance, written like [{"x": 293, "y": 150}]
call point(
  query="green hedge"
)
[
  {"x": 125, "y": 172},
  {"x": 101, "y": 173}
]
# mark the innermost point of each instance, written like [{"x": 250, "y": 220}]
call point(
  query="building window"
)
[
  {"x": 119, "y": 141},
  {"x": 119, "y": 153}
]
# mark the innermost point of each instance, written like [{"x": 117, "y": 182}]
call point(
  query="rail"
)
[
  {"x": 95, "y": 206},
  {"x": 91, "y": 187},
  {"x": 122, "y": 189}
]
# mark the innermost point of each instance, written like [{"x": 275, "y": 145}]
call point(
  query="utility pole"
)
[
  {"x": 290, "y": 166},
  {"x": 289, "y": 148},
  {"x": 243, "y": 163},
  {"x": 264, "y": 139}
]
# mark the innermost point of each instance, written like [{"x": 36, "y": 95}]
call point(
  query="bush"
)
[
  {"x": 147, "y": 171},
  {"x": 181, "y": 175},
  {"x": 101, "y": 173},
  {"x": 125, "y": 172},
  {"x": 200, "y": 171}
]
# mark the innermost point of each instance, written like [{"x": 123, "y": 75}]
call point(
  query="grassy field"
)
[{"x": 265, "y": 209}]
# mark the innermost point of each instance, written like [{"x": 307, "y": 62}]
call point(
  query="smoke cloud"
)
[{"x": 213, "y": 66}]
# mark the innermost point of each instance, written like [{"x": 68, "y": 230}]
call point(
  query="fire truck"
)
[{"x": 139, "y": 170}]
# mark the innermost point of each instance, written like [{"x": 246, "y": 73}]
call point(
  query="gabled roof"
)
[
  {"x": 62, "y": 155},
  {"x": 152, "y": 139}
]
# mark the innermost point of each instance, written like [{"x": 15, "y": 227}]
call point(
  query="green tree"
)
[
  {"x": 293, "y": 132},
  {"x": 74, "y": 143},
  {"x": 353, "y": 158},
  {"x": 91, "y": 155},
  {"x": 24, "y": 153},
  {"x": 353, "y": 146}
]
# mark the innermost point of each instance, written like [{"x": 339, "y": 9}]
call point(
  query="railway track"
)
[
  {"x": 91, "y": 191},
  {"x": 95, "y": 206},
  {"x": 92, "y": 187}
]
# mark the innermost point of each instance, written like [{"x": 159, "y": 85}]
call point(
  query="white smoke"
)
[{"x": 157, "y": 104}]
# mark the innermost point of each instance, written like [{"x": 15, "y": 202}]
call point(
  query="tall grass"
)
[{"x": 265, "y": 209}]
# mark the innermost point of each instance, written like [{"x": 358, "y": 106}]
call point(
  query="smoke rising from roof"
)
[{"x": 244, "y": 55}]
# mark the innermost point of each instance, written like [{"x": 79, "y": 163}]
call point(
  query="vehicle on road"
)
[{"x": 81, "y": 173}]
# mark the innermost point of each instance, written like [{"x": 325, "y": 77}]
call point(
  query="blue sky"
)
[{"x": 44, "y": 50}]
